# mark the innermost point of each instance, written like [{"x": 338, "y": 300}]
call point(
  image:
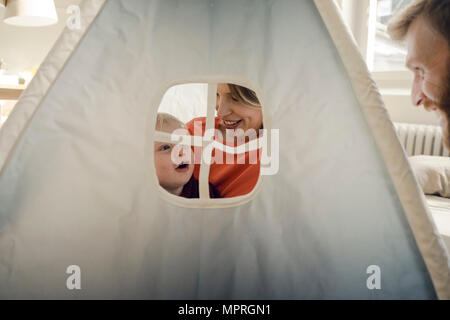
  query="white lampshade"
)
[{"x": 30, "y": 13}]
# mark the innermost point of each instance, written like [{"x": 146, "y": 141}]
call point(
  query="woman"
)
[{"x": 239, "y": 118}]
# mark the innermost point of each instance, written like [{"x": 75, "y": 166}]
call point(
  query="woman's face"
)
[{"x": 234, "y": 114}]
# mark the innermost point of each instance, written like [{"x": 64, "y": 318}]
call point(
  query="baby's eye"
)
[{"x": 164, "y": 147}]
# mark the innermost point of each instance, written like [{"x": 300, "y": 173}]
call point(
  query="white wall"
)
[
  {"x": 186, "y": 101},
  {"x": 23, "y": 48}
]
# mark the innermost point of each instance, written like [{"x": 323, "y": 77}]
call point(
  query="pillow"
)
[{"x": 433, "y": 174}]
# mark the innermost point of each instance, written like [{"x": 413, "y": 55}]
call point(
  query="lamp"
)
[{"x": 30, "y": 13}]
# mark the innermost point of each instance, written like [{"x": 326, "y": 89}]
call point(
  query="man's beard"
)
[{"x": 444, "y": 108}]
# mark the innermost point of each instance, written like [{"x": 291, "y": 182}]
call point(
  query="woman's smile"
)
[{"x": 231, "y": 124}]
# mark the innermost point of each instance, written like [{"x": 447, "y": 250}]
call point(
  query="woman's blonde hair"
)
[{"x": 244, "y": 95}]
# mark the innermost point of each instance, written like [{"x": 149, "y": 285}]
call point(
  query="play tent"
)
[{"x": 78, "y": 186}]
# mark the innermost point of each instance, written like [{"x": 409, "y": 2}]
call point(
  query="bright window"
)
[{"x": 387, "y": 55}]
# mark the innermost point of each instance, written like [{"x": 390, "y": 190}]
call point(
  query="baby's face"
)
[{"x": 173, "y": 171}]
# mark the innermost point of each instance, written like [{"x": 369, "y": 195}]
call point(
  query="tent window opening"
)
[{"x": 208, "y": 141}]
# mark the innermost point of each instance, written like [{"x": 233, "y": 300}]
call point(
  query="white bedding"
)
[{"x": 440, "y": 208}]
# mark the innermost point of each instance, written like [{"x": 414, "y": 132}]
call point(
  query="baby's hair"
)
[{"x": 164, "y": 118}]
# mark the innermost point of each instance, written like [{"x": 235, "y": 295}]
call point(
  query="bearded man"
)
[{"x": 425, "y": 27}]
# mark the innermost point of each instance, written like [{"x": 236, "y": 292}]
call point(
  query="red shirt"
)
[{"x": 230, "y": 179}]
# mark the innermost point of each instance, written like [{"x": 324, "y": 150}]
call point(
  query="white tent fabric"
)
[{"x": 77, "y": 181}]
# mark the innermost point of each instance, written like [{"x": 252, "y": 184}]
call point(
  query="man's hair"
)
[{"x": 437, "y": 13}]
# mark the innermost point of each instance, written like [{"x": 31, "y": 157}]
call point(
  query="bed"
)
[
  {"x": 433, "y": 175},
  {"x": 440, "y": 209}
]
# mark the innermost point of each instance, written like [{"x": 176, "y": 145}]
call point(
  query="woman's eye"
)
[{"x": 235, "y": 99}]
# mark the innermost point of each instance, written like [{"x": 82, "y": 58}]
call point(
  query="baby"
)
[{"x": 176, "y": 178}]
